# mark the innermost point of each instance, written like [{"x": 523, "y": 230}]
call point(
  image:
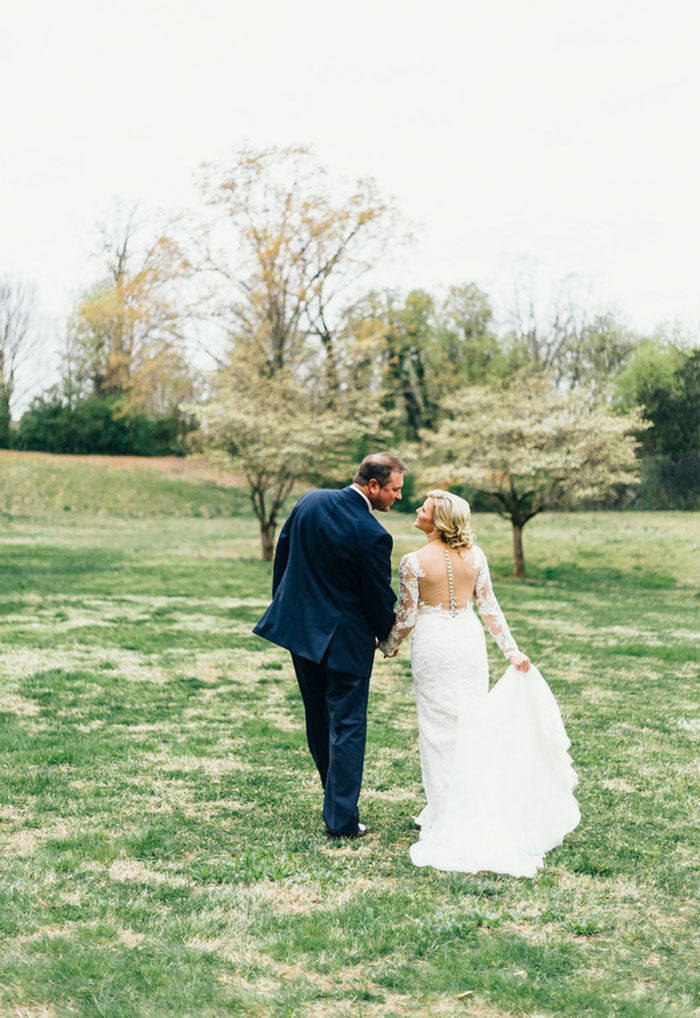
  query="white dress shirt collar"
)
[{"x": 358, "y": 488}]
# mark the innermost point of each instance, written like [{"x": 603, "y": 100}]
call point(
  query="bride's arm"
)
[
  {"x": 406, "y": 609},
  {"x": 493, "y": 617}
]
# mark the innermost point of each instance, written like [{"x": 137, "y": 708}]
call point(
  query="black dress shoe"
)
[{"x": 359, "y": 833}]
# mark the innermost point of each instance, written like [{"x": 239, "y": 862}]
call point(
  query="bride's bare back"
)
[
  {"x": 434, "y": 583},
  {"x": 424, "y": 580}
]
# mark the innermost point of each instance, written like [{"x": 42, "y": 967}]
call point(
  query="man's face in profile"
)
[{"x": 383, "y": 498}]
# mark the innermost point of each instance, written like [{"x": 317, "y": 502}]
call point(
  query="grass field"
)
[{"x": 162, "y": 846}]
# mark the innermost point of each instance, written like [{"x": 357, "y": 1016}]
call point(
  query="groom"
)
[{"x": 332, "y": 600}]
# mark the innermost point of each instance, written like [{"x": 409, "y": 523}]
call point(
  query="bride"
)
[{"x": 497, "y": 776}]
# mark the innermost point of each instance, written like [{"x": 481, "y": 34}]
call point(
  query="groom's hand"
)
[{"x": 378, "y": 647}]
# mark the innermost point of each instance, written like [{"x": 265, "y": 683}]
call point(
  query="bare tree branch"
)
[{"x": 19, "y": 335}]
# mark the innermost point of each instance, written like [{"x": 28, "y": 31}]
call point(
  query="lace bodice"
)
[{"x": 411, "y": 603}]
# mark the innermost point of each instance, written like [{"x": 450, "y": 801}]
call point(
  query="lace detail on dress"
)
[
  {"x": 408, "y": 604},
  {"x": 489, "y": 608},
  {"x": 437, "y": 609}
]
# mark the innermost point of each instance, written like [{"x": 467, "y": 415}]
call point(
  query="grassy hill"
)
[{"x": 41, "y": 486}]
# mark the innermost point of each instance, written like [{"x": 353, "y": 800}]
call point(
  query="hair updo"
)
[{"x": 451, "y": 515}]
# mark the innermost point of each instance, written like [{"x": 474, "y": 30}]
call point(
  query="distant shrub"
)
[
  {"x": 671, "y": 481},
  {"x": 667, "y": 387},
  {"x": 99, "y": 424}
]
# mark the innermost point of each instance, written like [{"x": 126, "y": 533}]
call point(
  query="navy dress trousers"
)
[{"x": 332, "y": 599}]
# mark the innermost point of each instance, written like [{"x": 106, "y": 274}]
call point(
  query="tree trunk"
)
[
  {"x": 518, "y": 560},
  {"x": 331, "y": 366},
  {"x": 5, "y": 416},
  {"x": 267, "y": 540}
]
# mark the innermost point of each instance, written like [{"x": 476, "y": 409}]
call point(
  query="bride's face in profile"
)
[{"x": 424, "y": 517}]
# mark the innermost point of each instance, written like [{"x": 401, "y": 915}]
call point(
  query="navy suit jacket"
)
[{"x": 331, "y": 582}]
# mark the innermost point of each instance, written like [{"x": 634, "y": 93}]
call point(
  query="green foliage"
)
[
  {"x": 99, "y": 424},
  {"x": 665, "y": 381},
  {"x": 414, "y": 351},
  {"x": 671, "y": 481},
  {"x": 674, "y": 410},
  {"x": 406, "y": 347},
  {"x": 470, "y": 351},
  {"x": 654, "y": 362}
]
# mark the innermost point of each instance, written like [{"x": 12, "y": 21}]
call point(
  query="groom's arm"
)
[
  {"x": 378, "y": 595},
  {"x": 281, "y": 556},
  {"x": 282, "y": 551}
]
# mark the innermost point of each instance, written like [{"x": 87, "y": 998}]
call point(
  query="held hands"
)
[
  {"x": 377, "y": 646},
  {"x": 521, "y": 662}
]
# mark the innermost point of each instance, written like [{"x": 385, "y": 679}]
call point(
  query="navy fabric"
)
[
  {"x": 331, "y": 582},
  {"x": 336, "y": 730},
  {"x": 331, "y": 599}
]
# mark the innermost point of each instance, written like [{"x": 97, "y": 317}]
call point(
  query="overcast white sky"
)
[{"x": 564, "y": 131}]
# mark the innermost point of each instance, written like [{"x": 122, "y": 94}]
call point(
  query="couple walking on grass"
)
[{"x": 496, "y": 772}]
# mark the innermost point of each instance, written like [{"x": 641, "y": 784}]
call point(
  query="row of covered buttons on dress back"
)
[{"x": 450, "y": 583}]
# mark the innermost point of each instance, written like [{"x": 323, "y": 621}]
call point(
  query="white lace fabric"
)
[
  {"x": 496, "y": 772},
  {"x": 499, "y": 782},
  {"x": 410, "y": 603}
]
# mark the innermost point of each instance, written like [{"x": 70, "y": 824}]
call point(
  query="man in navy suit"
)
[{"x": 332, "y": 601}]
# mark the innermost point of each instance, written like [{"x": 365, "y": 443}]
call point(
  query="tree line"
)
[{"x": 524, "y": 409}]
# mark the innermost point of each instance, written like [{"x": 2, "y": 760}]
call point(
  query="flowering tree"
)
[
  {"x": 531, "y": 448},
  {"x": 277, "y": 433},
  {"x": 282, "y": 254}
]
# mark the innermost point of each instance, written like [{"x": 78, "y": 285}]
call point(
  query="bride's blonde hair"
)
[{"x": 451, "y": 515}]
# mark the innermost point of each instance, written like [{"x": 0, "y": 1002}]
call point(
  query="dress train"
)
[{"x": 510, "y": 791}]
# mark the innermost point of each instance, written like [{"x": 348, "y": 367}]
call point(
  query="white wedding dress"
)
[{"x": 497, "y": 776}]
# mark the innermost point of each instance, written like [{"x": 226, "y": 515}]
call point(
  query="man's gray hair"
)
[{"x": 379, "y": 466}]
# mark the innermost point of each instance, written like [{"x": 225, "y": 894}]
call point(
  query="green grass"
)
[
  {"x": 37, "y": 485},
  {"x": 160, "y": 831}
]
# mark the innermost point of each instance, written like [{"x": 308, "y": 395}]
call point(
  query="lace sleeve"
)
[
  {"x": 407, "y": 608},
  {"x": 490, "y": 610}
]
